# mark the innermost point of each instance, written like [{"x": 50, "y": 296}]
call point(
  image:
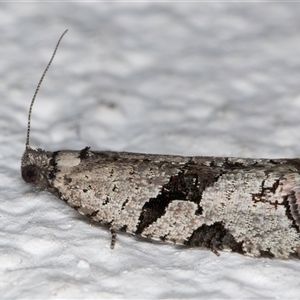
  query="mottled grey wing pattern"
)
[{"x": 245, "y": 205}]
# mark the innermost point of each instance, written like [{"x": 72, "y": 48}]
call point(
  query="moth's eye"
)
[{"x": 30, "y": 174}]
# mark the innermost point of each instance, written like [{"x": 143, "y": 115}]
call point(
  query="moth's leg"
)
[
  {"x": 215, "y": 245},
  {"x": 213, "y": 248},
  {"x": 113, "y": 238},
  {"x": 215, "y": 251}
]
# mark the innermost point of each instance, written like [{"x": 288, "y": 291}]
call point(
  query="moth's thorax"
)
[{"x": 36, "y": 167}]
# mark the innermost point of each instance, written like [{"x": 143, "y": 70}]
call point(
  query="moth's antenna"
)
[{"x": 37, "y": 89}]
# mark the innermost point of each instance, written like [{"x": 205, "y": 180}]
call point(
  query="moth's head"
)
[{"x": 35, "y": 166}]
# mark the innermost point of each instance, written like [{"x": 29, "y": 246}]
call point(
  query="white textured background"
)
[{"x": 174, "y": 78}]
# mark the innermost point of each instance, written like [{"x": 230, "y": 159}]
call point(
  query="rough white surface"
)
[{"x": 177, "y": 78}]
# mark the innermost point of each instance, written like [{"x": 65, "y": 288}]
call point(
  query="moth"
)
[{"x": 244, "y": 205}]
